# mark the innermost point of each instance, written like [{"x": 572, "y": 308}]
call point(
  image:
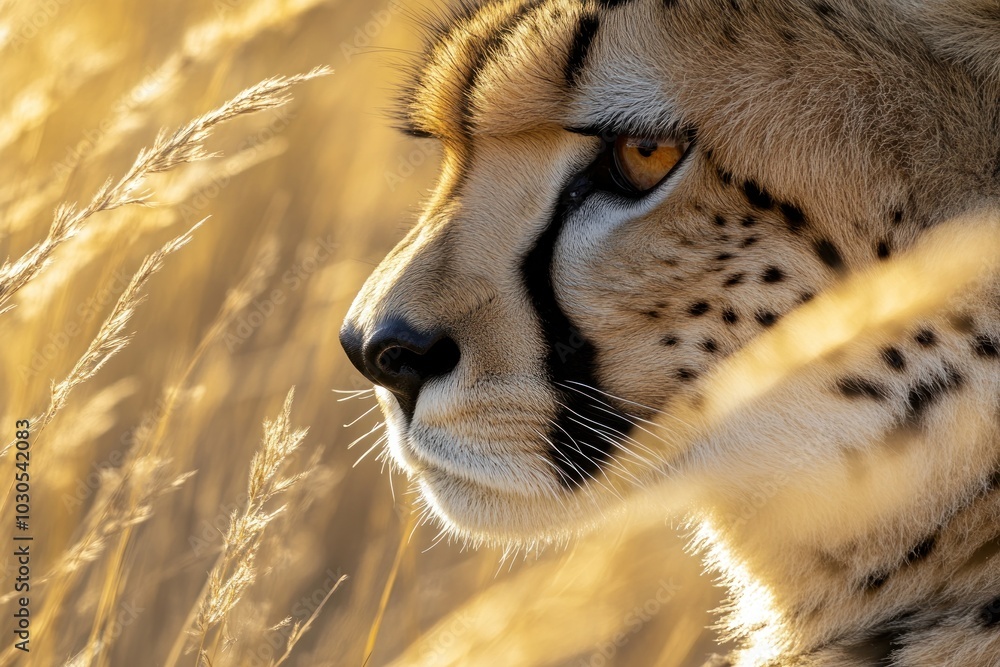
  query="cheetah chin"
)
[{"x": 741, "y": 252}]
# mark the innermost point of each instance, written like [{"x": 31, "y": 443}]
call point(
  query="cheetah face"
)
[{"x": 630, "y": 193}]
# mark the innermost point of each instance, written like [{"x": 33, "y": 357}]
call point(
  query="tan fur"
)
[{"x": 851, "y": 503}]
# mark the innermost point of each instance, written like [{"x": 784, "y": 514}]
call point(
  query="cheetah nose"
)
[{"x": 400, "y": 358}]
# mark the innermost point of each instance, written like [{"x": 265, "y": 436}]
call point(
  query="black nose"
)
[{"x": 400, "y": 358}]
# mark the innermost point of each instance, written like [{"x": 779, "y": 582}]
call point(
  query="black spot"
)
[
  {"x": 724, "y": 176},
  {"x": 669, "y": 3},
  {"x": 897, "y": 217},
  {"x": 925, "y": 393},
  {"x": 669, "y": 341},
  {"x": 724, "y": 256},
  {"x": 765, "y": 318},
  {"x": 652, "y": 314},
  {"x": 855, "y": 387},
  {"x": 611, "y": 4},
  {"x": 983, "y": 555},
  {"x": 710, "y": 346},
  {"x": 699, "y": 309},
  {"x": 757, "y": 196},
  {"x": 748, "y": 241},
  {"x": 729, "y": 316},
  {"x": 794, "y": 217},
  {"x": 686, "y": 374},
  {"x": 962, "y": 322},
  {"x": 921, "y": 550},
  {"x": 993, "y": 481},
  {"x": 989, "y": 613},
  {"x": 748, "y": 221},
  {"x": 882, "y": 250},
  {"x": 806, "y": 297},
  {"x": 829, "y": 254},
  {"x": 720, "y": 221},
  {"x": 734, "y": 279},
  {"x": 986, "y": 346},
  {"x": 772, "y": 275},
  {"x": 824, "y": 10},
  {"x": 875, "y": 581},
  {"x": 894, "y": 358},
  {"x": 586, "y": 30},
  {"x": 919, "y": 398},
  {"x": 926, "y": 338},
  {"x": 877, "y": 649}
]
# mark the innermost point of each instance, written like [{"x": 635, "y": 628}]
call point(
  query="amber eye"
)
[{"x": 642, "y": 162}]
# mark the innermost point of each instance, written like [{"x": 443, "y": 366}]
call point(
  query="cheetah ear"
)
[{"x": 964, "y": 31}]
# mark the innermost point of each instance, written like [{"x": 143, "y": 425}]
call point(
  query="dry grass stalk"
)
[
  {"x": 204, "y": 43},
  {"x": 111, "y": 338},
  {"x": 167, "y": 152},
  {"x": 148, "y": 440},
  {"x": 124, "y": 500},
  {"x": 238, "y": 298},
  {"x": 110, "y": 514},
  {"x": 300, "y": 628},
  {"x": 390, "y": 582},
  {"x": 234, "y": 571},
  {"x": 183, "y": 146},
  {"x": 91, "y": 242},
  {"x": 316, "y": 483}
]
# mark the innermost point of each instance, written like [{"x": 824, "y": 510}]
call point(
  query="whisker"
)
[
  {"x": 562, "y": 475},
  {"x": 655, "y": 411},
  {"x": 555, "y": 493},
  {"x": 378, "y": 442},
  {"x": 416, "y": 524},
  {"x": 611, "y": 459},
  {"x": 612, "y": 410},
  {"x": 586, "y": 489},
  {"x": 353, "y": 393},
  {"x": 632, "y": 440},
  {"x": 362, "y": 416},
  {"x": 584, "y": 385},
  {"x": 437, "y": 540},
  {"x": 392, "y": 488},
  {"x": 360, "y": 438},
  {"x": 591, "y": 459},
  {"x": 608, "y": 432}
]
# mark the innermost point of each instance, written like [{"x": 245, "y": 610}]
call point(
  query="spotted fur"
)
[{"x": 829, "y": 138}]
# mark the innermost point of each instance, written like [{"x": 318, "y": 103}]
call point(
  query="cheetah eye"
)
[{"x": 641, "y": 163}]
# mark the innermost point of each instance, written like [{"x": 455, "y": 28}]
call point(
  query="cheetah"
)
[{"x": 643, "y": 203}]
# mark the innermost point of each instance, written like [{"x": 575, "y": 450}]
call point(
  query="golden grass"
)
[
  {"x": 149, "y": 330},
  {"x": 235, "y": 569},
  {"x": 164, "y": 535}
]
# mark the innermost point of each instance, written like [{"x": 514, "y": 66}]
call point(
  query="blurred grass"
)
[{"x": 301, "y": 205}]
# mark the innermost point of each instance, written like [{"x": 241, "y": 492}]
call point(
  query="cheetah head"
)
[{"x": 631, "y": 193}]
